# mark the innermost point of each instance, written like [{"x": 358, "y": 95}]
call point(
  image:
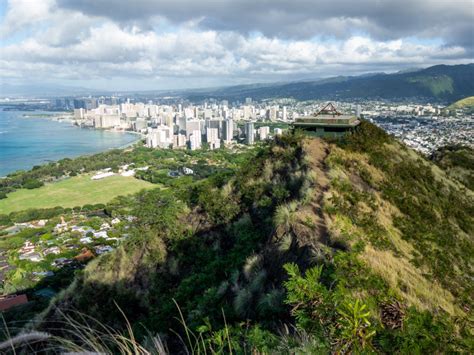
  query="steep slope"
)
[
  {"x": 314, "y": 246},
  {"x": 413, "y": 218}
]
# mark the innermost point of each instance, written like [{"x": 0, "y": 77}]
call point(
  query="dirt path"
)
[{"x": 316, "y": 152}]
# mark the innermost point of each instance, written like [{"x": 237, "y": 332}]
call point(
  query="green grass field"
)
[{"x": 76, "y": 191}]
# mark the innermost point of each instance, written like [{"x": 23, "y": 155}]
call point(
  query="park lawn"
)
[{"x": 72, "y": 192}]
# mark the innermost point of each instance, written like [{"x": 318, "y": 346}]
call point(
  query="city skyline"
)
[{"x": 146, "y": 45}]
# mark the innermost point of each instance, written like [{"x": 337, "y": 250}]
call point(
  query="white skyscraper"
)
[
  {"x": 247, "y": 112},
  {"x": 212, "y": 138},
  {"x": 272, "y": 113},
  {"x": 195, "y": 140},
  {"x": 140, "y": 124},
  {"x": 179, "y": 140},
  {"x": 284, "y": 114},
  {"x": 106, "y": 121},
  {"x": 79, "y": 113},
  {"x": 189, "y": 112},
  {"x": 160, "y": 137},
  {"x": 263, "y": 132}
]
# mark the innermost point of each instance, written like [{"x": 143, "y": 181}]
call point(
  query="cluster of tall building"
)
[
  {"x": 190, "y": 126},
  {"x": 215, "y": 132}
]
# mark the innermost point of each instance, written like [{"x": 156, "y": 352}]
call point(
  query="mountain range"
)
[{"x": 440, "y": 83}]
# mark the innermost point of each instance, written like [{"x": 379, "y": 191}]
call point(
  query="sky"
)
[{"x": 173, "y": 44}]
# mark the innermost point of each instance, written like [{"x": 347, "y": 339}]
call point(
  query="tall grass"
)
[{"x": 82, "y": 333}]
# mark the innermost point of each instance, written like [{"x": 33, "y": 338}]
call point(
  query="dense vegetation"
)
[
  {"x": 307, "y": 246},
  {"x": 457, "y": 161}
]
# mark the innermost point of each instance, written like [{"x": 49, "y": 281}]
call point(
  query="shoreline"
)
[
  {"x": 68, "y": 118},
  {"x": 63, "y": 117}
]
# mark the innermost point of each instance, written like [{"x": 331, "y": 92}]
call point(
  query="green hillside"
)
[
  {"x": 464, "y": 104},
  {"x": 458, "y": 162},
  {"x": 312, "y": 246},
  {"x": 437, "y": 85}
]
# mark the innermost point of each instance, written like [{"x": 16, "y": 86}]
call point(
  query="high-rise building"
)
[
  {"x": 152, "y": 111},
  {"x": 195, "y": 140},
  {"x": 249, "y": 133},
  {"x": 106, "y": 121},
  {"x": 192, "y": 125},
  {"x": 228, "y": 130},
  {"x": 215, "y": 123},
  {"x": 140, "y": 124},
  {"x": 160, "y": 137},
  {"x": 79, "y": 103},
  {"x": 212, "y": 138},
  {"x": 272, "y": 113},
  {"x": 79, "y": 113},
  {"x": 207, "y": 113},
  {"x": 263, "y": 132},
  {"x": 248, "y": 100},
  {"x": 188, "y": 112},
  {"x": 247, "y": 112},
  {"x": 181, "y": 122},
  {"x": 358, "y": 111},
  {"x": 179, "y": 141},
  {"x": 91, "y": 103},
  {"x": 284, "y": 114}
]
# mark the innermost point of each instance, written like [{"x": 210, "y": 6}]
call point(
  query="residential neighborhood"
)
[{"x": 45, "y": 247}]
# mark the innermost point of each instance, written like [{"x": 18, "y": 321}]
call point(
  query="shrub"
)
[
  {"x": 32, "y": 184},
  {"x": 355, "y": 331},
  {"x": 309, "y": 298}
]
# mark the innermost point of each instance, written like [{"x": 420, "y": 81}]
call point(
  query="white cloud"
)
[
  {"x": 113, "y": 51},
  {"x": 381, "y": 19},
  {"x": 89, "y": 45},
  {"x": 24, "y": 13}
]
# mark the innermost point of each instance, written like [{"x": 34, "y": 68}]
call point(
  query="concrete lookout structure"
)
[{"x": 328, "y": 122}]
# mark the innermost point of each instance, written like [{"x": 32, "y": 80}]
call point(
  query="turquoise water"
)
[{"x": 25, "y": 142}]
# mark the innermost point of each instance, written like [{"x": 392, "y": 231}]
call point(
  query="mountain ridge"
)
[
  {"x": 441, "y": 83},
  {"x": 361, "y": 222}
]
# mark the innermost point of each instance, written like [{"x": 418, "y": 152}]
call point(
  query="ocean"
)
[{"x": 29, "y": 141}]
